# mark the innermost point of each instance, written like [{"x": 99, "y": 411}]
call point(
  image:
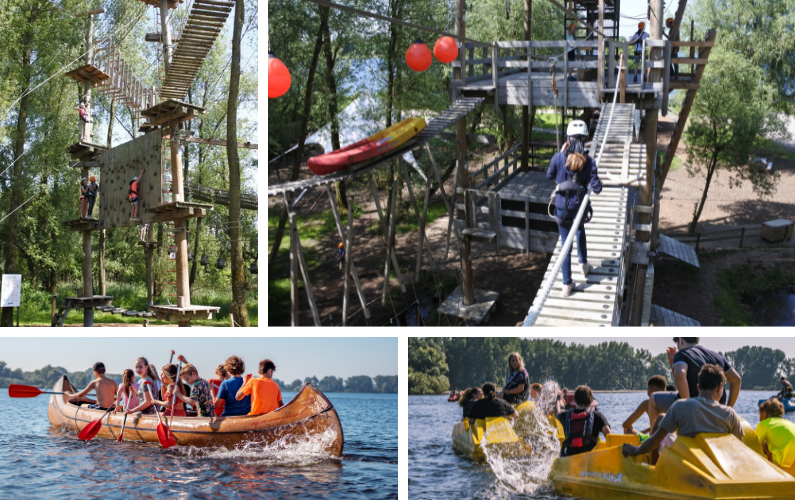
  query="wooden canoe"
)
[
  {"x": 366, "y": 149},
  {"x": 308, "y": 413}
]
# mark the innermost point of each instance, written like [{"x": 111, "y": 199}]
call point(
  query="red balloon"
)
[
  {"x": 445, "y": 49},
  {"x": 279, "y": 78},
  {"x": 418, "y": 57}
]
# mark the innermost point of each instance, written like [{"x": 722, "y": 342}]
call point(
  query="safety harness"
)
[
  {"x": 570, "y": 188},
  {"x": 578, "y": 428}
]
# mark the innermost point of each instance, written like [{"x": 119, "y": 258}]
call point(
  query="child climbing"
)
[
  {"x": 85, "y": 118},
  {"x": 637, "y": 39},
  {"x": 83, "y": 198},
  {"x": 133, "y": 196},
  {"x": 341, "y": 255},
  {"x": 91, "y": 196}
]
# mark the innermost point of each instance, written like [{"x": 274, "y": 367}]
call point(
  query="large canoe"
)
[{"x": 308, "y": 413}]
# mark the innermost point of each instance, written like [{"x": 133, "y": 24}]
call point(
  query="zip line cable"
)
[{"x": 22, "y": 205}]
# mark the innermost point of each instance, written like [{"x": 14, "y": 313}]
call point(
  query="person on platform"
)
[
  {"x": 468, "y": 400},
  {"x": 776, "y": 435},
  {"x": 226, "y": 393},
  {"x": 265, "y": 393},
  {"x": 491, "y": 406},
  {"x": 91, "y": 196},
  {"x": 573, "y": 170},
  {"x": 171, "y": 385},
  {"x": 517, "y": 385},
  {"x": 656, "y": 383},
  {"x": 133, "y": 195},
  {"x": 669, "y": 23},
  {"x": 637, "y": 39},
  {"x": 83, "y": 198},
  {"x": 582, "y": 425},
  {"x": 200, "y": 395},
  {"x": 692, "y": 416},
  {"x": 571, "y": 54},
  {"x": 104, "y": 388},
  {"x": 686, "y": 360},
  {"x": 126, "y": 396}
]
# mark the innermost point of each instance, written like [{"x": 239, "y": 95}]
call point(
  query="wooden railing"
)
[
  {"x": 499, "y": 173},
  {"x": 721, "y": 235}
]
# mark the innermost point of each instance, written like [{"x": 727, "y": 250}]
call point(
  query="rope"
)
[
  {"x": 22, "y": 205},
  {"x": 535, "y": 310}
]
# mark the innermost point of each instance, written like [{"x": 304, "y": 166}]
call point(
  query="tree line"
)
[
  {"x": 47, "y": 376},
  {"x": 439, "y": 364}
]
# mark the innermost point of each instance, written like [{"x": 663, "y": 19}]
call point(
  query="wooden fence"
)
[{"x": 721, "y": 235}]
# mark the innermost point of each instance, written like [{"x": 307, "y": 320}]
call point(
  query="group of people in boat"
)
[
  {"x": 695, "y": 403},
  {"x": 229, "y": 394}
]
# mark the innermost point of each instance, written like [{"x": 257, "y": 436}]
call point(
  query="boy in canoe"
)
[
  {"x": 104, "y": 387},
  {"x": 776, "y": 434},
  {"x": 655, "y": 384},
  {"x": 229, "y": 387},
  {"x": 200, "y": 396},
  {"x": 265, "y": 393}
]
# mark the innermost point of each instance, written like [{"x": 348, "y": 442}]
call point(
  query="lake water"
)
[
  {"x": 39, "y": 461},
  {"x": 436, "y": 472},
  {"x": 774, "y": 307}
]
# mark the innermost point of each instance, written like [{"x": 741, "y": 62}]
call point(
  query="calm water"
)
[
  {"x": 437, "y": 472},
  {"x": 38, "y": 461},
  {"x": 774, "y": 307}
]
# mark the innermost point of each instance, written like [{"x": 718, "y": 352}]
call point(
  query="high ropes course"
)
[
  {"x": 152, "y": 162},
  {"x": 508, "y": 206}
]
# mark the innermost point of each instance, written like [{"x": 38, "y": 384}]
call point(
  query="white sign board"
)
[{"x": 10, "y": 291}]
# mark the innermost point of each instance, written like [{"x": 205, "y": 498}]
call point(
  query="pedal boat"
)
[
  {"x": 709, "y": 466},
  {"x": 308, "y": 413},
  {"x": 367, "y": 149},
  {"x": 503, "y": 432},
  {"x": 789, "y": 403}
]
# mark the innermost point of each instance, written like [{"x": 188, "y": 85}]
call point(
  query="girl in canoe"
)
[
  {"x": 168, "y": 376},
  {"x": 220, "y": 375},
  {"x": 147, "y": 388},
  {"x": 126, "y": 396}
]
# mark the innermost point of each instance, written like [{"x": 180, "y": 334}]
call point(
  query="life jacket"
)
[
  {"x": 570, "y": 188},
  {"x": 133, "y": 193},
  {"x": 639, "y": 41},
  {"x": 578, "y": 428}
]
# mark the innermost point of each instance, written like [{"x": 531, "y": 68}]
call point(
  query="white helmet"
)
[{"x": 577, "y": 127}]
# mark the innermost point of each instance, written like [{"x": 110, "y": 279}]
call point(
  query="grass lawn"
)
[{"x": 676, "y": 164}]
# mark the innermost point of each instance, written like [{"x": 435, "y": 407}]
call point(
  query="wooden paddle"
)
[
  {"x": 28, "y": 391},
  {"x": 92, "y": 429},
  {"x": 164, "y": 434},
  {"x": 124, "y": 422},
  {"x": 176, "y": 388}
]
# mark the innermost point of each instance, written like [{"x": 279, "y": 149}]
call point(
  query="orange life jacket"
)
[{"x": 133, "y": 190}]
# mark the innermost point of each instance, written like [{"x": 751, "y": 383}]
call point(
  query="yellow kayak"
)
[
  {"x": 709, "y": 466},
  {"x": 509, "y": 436}
]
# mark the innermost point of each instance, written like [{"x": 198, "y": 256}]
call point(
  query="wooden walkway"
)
[
  {"x": 205, "y": 22},
  {"x": 678, "y": 250},
  {"x": 596, "y": 298},
  {"x": 665, "y": 317}
]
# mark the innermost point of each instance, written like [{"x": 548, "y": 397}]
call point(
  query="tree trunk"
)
[
  {"x": 299, "y": 153},
  {"x": 342, "y": 196},
  {"x": 12, "y": 252},
  {"x": 196, "y": 251},
  {"x": 238, "y": 307},
  {"x": 711, "y": 170},
  {"x": 101, "y": 250}
]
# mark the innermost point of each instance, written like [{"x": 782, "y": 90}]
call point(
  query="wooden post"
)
[
  {"x": 698, "y": 240},
  {"x": 623, "y": 79},
  {"x": 335, "y": 211},
  {"x": 655, "y": 221},
  {"x": 149, "y": 252},
  {"x": 293, "y": 271},
  {"x": 461, "y": 125},
  {"x": 422, "y": 225},
  {"x": 468, "y": 285},
  {"x": 347, "y": 267},
  {"x": 88, "y": 284},
  {"x": 385, "y": 229},
  {"x": 101, "y": 254},
  {"x": 231, "y": 320},
  {"x": 416, "y": 211},
  {"x": 528, "y": 14},
  {"x": 601, "y": 48},
  {"x": 307, "y": 283},
  {"x": 389, "y": 249},
  {"x": 453, "y": 203},
  {"x": 180, "y": 227},
  {"x": 53, "y": 301},
  {"x": 742, "y": 237},
  {"x": 88, "y": 127},
  {"x": 165, "y": 34}
]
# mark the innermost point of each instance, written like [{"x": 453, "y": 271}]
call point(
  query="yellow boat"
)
[
  {"x": 509, "y": 437},
  {"x": 709, "y": 466}
]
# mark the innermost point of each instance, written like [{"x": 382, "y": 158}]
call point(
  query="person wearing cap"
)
[
  {"x": 669, "y": 23},
  {"x": 341, "y": 255},
  {"x": 91, "y": 196},
  {"x": 572, "y": 169},
  {"x": 83, "y": 197},
  {"x": 133, "y": 195},
  {"x": 638, "y": 38},
  {"x": 570, "y": 54}
]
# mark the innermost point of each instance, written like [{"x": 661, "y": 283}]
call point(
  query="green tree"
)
[
  {"x": 427, "y": 366},
  {"x": 386, "y": 384},
  {"x": 331, "y": 384},
  {"x": 733, "y": 118},
  {"x": 359, "y": 383},
  {"x": 758, "y": 366}
]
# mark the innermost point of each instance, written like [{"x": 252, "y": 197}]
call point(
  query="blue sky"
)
[
  {"x": 656, "y": 345},
  {"x": 297, "y": 357},
  {"x": 635, "y": 8}
]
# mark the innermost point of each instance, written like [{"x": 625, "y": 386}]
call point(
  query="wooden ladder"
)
[{"x": 60, "y": 316}]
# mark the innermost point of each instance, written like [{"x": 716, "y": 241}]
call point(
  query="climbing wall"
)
[{"x": 118, "y": 166}]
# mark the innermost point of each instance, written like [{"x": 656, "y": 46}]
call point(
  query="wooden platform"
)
[
  {"x": 88, "y": 72},
  {"x": 205, "y": 22},
  {"x": 85, "y": 150},
  {"x": 678, "y": 250},
  {"x": 93, "y": 302},
  {"x": 172, "y": 4},
  {"x": 174, "y": 313},
  {"x": 82, "y": 224},
  {"x": 474, "y": 314},
  {"x": 661, "y": 316},
  {"x": 179, "y": 210},
  {"x": 171, "y": 111}
]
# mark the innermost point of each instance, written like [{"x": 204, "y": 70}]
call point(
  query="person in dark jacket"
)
[
  {"x": 572, "y": 169},
  {"x": 490, "y": 406},
  {"x": 517, "y": 385},
  {"x": 469, "y": 398}
]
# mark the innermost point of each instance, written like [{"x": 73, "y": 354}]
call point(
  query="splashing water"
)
[
  {"x": 290, "y": 450},
  {"x": 527, "y": 474}
]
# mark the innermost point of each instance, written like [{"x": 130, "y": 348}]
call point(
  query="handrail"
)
[{"x": 535, "y": 310}]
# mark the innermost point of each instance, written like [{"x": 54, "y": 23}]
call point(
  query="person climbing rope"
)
[
  {"x": 133, "y": 196},
  {"x": 84, "y": 116},
  {"x": 669, "y": 23},
  {"x": 570, "y": 54},
  {"x": 572, "y": 169},
  {"x": 83, "y": 198},
  {"x": 91, "y": 196},
  {"x": 637, "y": 39}
]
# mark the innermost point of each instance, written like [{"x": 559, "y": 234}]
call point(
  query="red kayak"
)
[{"x": 366, "y": 149}]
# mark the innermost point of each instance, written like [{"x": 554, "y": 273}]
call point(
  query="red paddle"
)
[
  {"x": 27, "y": 391},
  {"x": 164, "y": 434},
  {"x": 93, "y": 428}
]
